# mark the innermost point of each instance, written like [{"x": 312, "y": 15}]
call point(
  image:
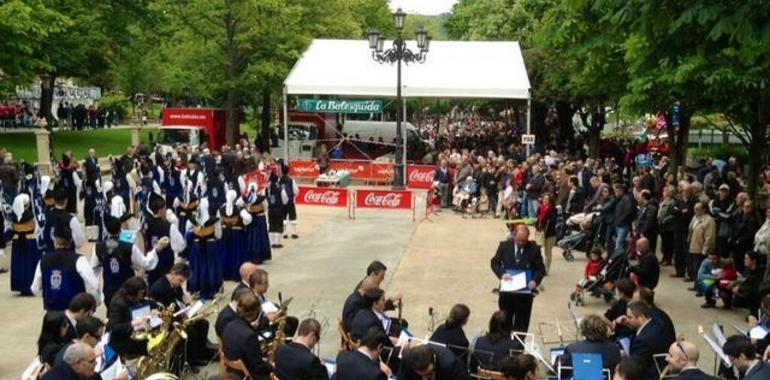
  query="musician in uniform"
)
[
  {"x": 682, "y": 358},
  {"x": 63, "y": 274},
  {"x": 44, "y": 215},
  {"x": 295, "y": 360},
  {"x": 364, "y": 363},
  {"x": 240, "y": 340},
  {"x": 69, "y": 180},
  {"x": 277, "y": 199},
  {"x": 432, "y": 362},
  {"x": 244, "y": 272},
  {"x": 518, "y": 254},
  {"x": 161, "y": 225},
  {"x": 90, "y": 191},
  {"x": 186, "y": 204},
  {"x": 116, "y": 260},
  {"x": 230, "y": 311},
  {"x": 215, "y": 188},
  {"x": 25, "y": 254},
  {"x": 233, "y": 243},
  {"x": 120, "y": 323},
  {"x": 204, "y": 254},
  {"x": 289, "y": 185},
  {"x": 257, "y": 238},
  {"x": 61, "y": 218},
  {"x": 259, "y": 283}
]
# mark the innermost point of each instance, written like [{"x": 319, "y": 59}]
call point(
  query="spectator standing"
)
[
  {"x": 667, "y": 225},
  {"x": 702, "y": 233},
  {"x": 721, "y": 209},
  {"x": 533, "y": 190},
  {"x": 745, "y": 227},
  {"x": 624, "y": 215},
  {"x": 646, "y": 224},
  {"x": 683, "y": 209}
]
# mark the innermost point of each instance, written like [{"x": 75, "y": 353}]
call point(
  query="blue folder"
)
[{"x": 587, "y": 366}]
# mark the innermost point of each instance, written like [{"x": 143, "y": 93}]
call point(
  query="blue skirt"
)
[
  {"x": 257, "y": 241},
  {"x": 233, "y": 248},
  {"x": 205, "y": 268},
  {"x": 24, "y": 259}
]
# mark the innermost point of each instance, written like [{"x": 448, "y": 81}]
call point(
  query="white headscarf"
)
[
  {"x": 45, "y": 183},
  {"x": 230, "y": 198},
  {"x": 203, "y": 211},
  {"x": 20, "y": 205},
  {"x": 117, "y": 207},
  {"x": 107, "y": 187}
]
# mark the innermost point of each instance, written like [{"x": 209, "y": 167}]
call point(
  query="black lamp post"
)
[{"x": 396, "y": 54}]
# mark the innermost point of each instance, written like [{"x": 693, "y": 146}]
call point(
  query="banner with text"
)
[
  {"x": 339, "y": 106},
  {"x": 384, "y": 199},
  {"x": 304, "y": 169},
  {"x": 322, "y": 196},
  {"x": 420, "y": 176}
]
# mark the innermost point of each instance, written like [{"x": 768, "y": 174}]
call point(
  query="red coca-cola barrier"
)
[
  {"x": 420, "y": 176},
  {"x": 322, "y": 196},
  {"x": 384, "y": 200},
  {"x": 304, "y": 169}
]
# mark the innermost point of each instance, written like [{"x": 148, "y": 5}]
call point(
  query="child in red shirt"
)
[{"x": 594, "y": 266}]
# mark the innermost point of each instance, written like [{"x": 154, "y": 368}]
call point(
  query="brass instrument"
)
[
  {"x": 162, "y": 342},
  {"x": 269, "y": 347}
]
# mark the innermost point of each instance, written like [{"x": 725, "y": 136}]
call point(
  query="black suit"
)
[
  {"x": 694, "y": 374},
  {"x": 225, "y": 316},
  {"x": 163, "y": 293},
  {"x": 518, "y": 306},
  {"x": 609, "y": 351},
  {"x": 61, "y": 372},
  {"x": 487, "y": 354},
  {"x": 647, "y": 270},
  {"x": 454, "y": 338},
  {"x": 667, "y": 325},
  {"x": 761, "y": 371},
  {"x": 446, "y": 366},
  {"x": 648, "y": 342},
  {"x": 363, "y": 320},
  {"x": 294, "y": 361},
  {"x": 241, "y": 342},
  {"x": 355, "y": 365},
  {"x": 353, "y": 304}
]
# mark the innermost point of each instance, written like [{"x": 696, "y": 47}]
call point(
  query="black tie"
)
[{"x": 518, "y": 253}]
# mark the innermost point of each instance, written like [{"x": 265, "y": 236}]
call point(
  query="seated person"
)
[
  {"x": 723, "y": 279},
  {"x": 53, "y": 336},
  {"x": 78, "y": 362},
  {"x": 364, "y": 363},
  {"x": 295, "y": 359},
  {"x": 596, "y": 332},
  {"x": 745, "y": 294},
  {"x": 240, "y": 340},
  {"x": 762, "y": 318},
  {"x": 647, "y": 271},
  {"x": 371, "y": 316},
  {"x": 682, "y": 358},
  {"x": 593, "y": 269},
  {"x": 625, "y": 289},
  {"x": 119, "y": 322},
  {"x": 89, "y": 332},
  {"x": 497, "y": 344},
  {"x": 519, "y": 367},
  {"x": 630, "y": 368},
  {"x": 229, "y": 312},
  {"x": 744, "y": 357},
  {"x": 707, "y": 276},
  {"x": 430, "y": 361},
  {"x": 451, "y": 331},
  {"x": 658, "y": 315}
]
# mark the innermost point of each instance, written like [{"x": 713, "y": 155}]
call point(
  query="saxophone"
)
[
  {"x": 280, "y": 335},
  {"x": 170, "y": 334}
]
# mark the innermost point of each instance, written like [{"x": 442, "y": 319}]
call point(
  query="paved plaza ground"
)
[{"x": 435, "y": 263}]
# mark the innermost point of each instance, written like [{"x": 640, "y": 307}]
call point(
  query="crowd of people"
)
[{"x": 208, "y": 217}]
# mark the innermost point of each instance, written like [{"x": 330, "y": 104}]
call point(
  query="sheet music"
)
[
  {"x": 718, "y": 350},
  {"x": 758, "y": 333},
  {"x": 269, "y": 307},
  {"x": 194, "y": 309},
  {"x": 330, "y": 365},
  {"x": 145, "y": 312},
  {"x": 718, "y": 334},
  {"x": 625, "y": 343},
  {"x": 517, "y": 282}
]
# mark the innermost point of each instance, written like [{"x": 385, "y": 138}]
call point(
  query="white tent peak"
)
[{"x": 453, "y": 69}]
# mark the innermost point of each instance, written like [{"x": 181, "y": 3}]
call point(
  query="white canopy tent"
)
[{"x": 453, "y": 69}]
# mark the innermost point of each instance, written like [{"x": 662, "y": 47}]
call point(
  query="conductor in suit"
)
[
  {"x": 518, "y": 254},
  {"x": 364, "y": 363}
]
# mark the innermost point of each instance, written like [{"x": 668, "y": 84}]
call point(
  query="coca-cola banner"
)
[
  {"x": 382, "y": 172},
  {"x": 420, "y": 176},
  {"x": 303, "y": 169},
  {"x": 387, "y": 199},
  {"x": 322, "y": 196},
  {"x": 359, "y": 170}
]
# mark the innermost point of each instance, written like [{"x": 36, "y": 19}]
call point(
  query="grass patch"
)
[{"x": 105, "y": 141}]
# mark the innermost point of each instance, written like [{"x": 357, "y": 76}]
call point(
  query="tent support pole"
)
[
  {"x": 286, "y": 125},
  {"x": 529, "y": 122}
]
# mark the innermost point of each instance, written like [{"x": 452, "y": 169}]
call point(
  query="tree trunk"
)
[
  {"x": 265, "y": 121},
  {"x": 679, "y": 145},
  {"x": 232, "y": 115},
  {"x": 47, "y": 83},
  {"x": 539, "y": 129},
  {"x": 758, "y": 143},
  {"x": 564, "y": 112},
  {"x": 598, "y": 119}
]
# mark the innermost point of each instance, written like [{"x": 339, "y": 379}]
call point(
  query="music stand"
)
[
  {"x": 532, "y": 349},
  {"x": 717, "y": 349},
  {"x": 657, "y": 359}
]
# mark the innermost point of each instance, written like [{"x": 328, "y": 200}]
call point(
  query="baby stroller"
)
[
  {"x": 603, "y": 285},
  {"x": 581, "y": 233}
]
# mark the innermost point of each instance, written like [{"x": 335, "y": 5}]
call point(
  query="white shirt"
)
[
  {"x": 77, "y": 232},
  {"x": 85, "y": 271}
]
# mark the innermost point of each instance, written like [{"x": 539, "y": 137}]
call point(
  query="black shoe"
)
[
  {"x": 692, "y": 289},
  {"x": 294, "y": 236},
  {"x": 279, "y": 246},
  {"x": 285, "y": 236},
  {"x": 707, "y": 305},
  {"x": 699, "y": 294},
  {"x": 274, "y": 246}
]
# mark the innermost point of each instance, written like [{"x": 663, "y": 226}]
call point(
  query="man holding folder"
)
[{"x": 520, "y": 268}]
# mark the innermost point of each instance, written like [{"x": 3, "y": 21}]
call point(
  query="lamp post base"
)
[{"x": 398, "y": 176}]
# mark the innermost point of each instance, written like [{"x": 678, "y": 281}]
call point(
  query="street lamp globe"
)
[
  {"x": 373, "y": 37},
  {"x": 422, "y": 35},
  {"x": 399, "y": 17}
]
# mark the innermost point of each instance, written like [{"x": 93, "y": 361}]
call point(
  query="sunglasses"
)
[{"x": 681, "y": 348}]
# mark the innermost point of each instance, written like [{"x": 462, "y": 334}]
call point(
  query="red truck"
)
[{"x": 197, "y": 127}]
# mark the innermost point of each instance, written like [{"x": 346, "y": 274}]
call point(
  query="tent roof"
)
[{"x": 453, "y": 69}]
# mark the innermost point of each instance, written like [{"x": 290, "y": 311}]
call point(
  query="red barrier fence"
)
[
  {"x": 384, "y": 200},
  {"x": 418, "y": 176}
]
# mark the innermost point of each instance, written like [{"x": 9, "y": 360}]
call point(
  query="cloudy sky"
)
[{"x": 424, "y": 7}]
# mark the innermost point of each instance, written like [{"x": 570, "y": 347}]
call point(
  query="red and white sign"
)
[
  {"x": 384, "y": 199},
  {"x": 322, "y": 196},
  {"x": 304, "y": 169},
  {"x": 382, "y": 171},
  {"x": 420, "y": 176},
  {"x": 255, "y": 177}
]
